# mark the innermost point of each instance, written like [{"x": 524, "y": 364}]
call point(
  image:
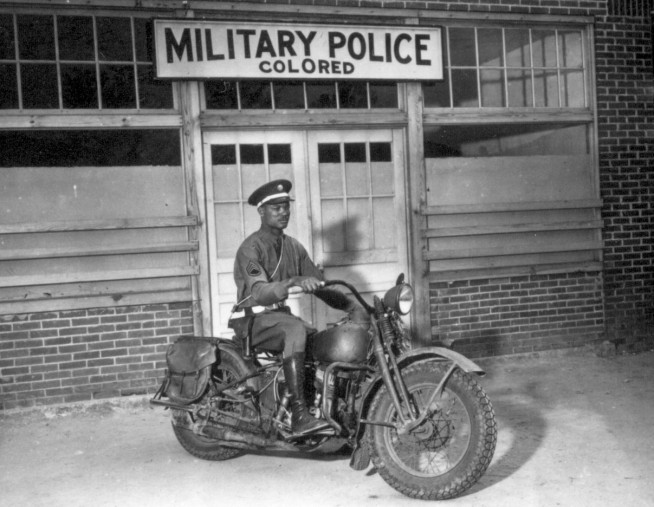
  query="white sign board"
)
[{"x": 200, "y": 49}]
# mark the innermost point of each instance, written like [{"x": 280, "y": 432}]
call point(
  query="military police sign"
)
[{"x": 198, "y": 49}]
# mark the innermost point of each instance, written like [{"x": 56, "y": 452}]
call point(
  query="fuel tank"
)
[{"x": 346, "y": 342}]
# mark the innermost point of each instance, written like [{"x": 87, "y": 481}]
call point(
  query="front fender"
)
[
  {"x": 414, "y": 356},
  {"x": 440, "y": 353}
]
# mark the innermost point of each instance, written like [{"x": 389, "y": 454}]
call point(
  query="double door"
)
[{"x": 349, "y": 207}]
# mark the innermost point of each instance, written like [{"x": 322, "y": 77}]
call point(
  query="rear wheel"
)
[
  {"x": 229, "y": 368},
  {"x": 450, "y": 450}
]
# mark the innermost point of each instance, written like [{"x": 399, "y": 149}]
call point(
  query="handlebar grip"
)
[{"x": 299, "y": 290}]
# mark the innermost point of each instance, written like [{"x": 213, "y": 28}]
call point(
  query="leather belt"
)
[{"x": 256, "y": 309}]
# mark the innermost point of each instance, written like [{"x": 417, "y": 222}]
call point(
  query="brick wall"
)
[
  {"x": 625, "y": 89},
  {"x": 80, "y": 355},
  {"x": 517, "y": 314}
]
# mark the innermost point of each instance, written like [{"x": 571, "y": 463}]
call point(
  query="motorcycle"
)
[{"x": 417, "y": 414}]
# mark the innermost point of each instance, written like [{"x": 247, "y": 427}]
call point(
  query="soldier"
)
[{"x": 268, "y": 263}]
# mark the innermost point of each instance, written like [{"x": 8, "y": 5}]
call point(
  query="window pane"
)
[
  {"x": 255, "y": 95},
  {"x": 520, "y": 94},
  {"x": 279, "y": 154},
  {"x": 380, "y": 152},
  {"x": 490, "y": 47},
  {"x": 8, "y": 85},
  {"x": 288, "y": 95},
  {"x": 251, "y": 153},
  {"x": 118, "y": 87},
  {"x": 570, "y": 51},
  {"x": 36, "y": 37},
  {"x": 329, "y": 152},
  {"x": 74, "y": 148},
  {"x": 153, "y": 94},
  {"x": 518, "y": 53},
  {"x": 355, "y": 152},
  {"x": 221, "y": 95},
  {"x": 383, "y": 95},
  {"x": 143, "y": 39},
  {"x": 78, "y": 86},
  {"x": 437, "y": 93},
  {"x": 333, "y": 226},
  {"x": 464, "y": 88},
  {"x": 462, "y": 47},
  {"x": 7, "y": 46},
  {"x": 492, "y": 88},
  {"x": 39, "y": 86},
  {"x": 114, "y": 39},
  {"x": 572, "y": 88},
  {"x": 321, "y": 95},
  {"x": 75, "y": 37},
  {"x": 352, "y": 95},
  {"x": 358, "y": 225},
  {"x": 505, "y": 140},
  {"x": 546, "y": 89},
  {"x": 544, "y": 48},
  {"x": 223, "y": 154}
]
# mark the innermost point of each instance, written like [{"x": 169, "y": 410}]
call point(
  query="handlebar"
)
[{"x": 328, "y": 283}]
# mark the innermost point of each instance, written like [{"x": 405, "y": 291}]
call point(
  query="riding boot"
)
[{"x": 302, "y": 423}]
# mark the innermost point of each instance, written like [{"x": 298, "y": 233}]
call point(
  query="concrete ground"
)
[{"x": 574, "y": 430}]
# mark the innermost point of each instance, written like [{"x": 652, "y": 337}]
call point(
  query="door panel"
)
[
  {"x": 236, "y": 164},
  {"x": 358, "y": 208}
]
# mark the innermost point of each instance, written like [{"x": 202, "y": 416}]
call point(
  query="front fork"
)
[{"x": 392, "y": 378}]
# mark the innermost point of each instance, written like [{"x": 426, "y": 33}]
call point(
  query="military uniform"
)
[
  {"x": 267, "y": 264},
  {"x": 262, "y": 262}
]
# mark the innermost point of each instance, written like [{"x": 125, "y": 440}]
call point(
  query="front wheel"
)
[{"x": 450, "y": 450}]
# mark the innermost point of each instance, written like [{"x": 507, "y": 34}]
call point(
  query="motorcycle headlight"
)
[{"x": 399, "y": 298}]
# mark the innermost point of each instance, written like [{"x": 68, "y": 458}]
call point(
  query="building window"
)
[
  {"x": 78, "y": 62},
  {"x": 511, "y": 67},
  {"x": 241, "y": 95}
]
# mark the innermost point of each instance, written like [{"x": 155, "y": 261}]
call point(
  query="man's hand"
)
[{"x": 306, "y": 283}]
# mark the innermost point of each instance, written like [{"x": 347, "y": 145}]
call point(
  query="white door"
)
[
  {"x": 349, "y": 207},
  {"x": 358, "y": 205}
]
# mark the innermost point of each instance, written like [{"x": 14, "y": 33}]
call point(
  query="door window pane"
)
[
  {"x": 251, "y": 153},
  {"x": 279, "y": 153}
]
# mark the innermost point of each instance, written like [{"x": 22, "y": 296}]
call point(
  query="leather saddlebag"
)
[{"x": 189, "y": 362}]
